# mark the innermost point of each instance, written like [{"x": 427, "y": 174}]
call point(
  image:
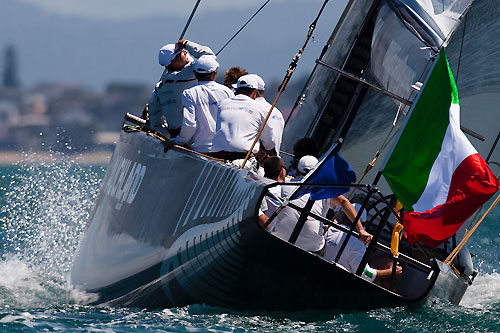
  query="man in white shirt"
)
[
  {"x": 276, "y": 123},
  {"x": 274, "y": 168},
  {"x": 311, "y": 236},
  {"x": 238, "y": 123},
  {"x": 354, "y": 251},
  {"x": 165, "y": 108},
  {"x": 200, "y": 106}
]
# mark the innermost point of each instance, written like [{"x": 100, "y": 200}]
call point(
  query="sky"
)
[
  {"x": 95, "y": 42},
  {"x": 129, "y": 9}
]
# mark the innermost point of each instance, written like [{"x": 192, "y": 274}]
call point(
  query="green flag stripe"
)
[{"x": 409, "y": 166}]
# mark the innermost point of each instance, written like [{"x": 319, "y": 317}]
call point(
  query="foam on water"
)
[
  {"x": 44, "y": 210},
  {"x": 23, "y": 287},
  {"x": 483, "y": 293}
]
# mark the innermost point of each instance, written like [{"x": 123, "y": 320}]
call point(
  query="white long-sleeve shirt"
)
[
  {"x": 311, "y": 236},
  {"x": 238, "y": 122},
  {"x": 200, "y": 106},
  {"x": 166, "y": 97},
  {"x": 276, "y": 123}
]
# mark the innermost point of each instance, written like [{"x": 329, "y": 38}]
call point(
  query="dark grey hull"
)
[{"x": 171, "y": 229}]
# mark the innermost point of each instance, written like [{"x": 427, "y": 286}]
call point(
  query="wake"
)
[{"x": 483, "y": 293}]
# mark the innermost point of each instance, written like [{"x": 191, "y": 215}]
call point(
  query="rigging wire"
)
[
  {"x": 493, "y": 148},
  {"x": 302, "y": 94},
  {"x": 289, "y": 72},
  {"x": 244, "y": 25},
  {"x": 390, "y": 136},
  {"x": 189, "y": 19},
  {"x": 461, "y": 48},
  {"x": 165, "y": 71}
]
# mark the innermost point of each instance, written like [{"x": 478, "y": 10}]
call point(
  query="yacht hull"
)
[{"x": 174, "y": 228}]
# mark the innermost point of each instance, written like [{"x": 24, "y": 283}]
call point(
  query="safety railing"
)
[{"x": 370, "y": 191}]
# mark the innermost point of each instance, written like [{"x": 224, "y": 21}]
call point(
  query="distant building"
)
[{"x": 10, "y": 79}]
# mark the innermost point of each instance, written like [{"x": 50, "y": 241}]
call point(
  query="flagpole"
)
[{"x": 455, "y": 251}]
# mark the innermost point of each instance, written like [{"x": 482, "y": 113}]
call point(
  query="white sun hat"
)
[
  {"x": 206, "y": 64},
  {"x": 306, "y": 163},
  {"x": 261, "y": 85},
  {"x": 167, "y": 54},
  {"x": 247, "y": 81}
]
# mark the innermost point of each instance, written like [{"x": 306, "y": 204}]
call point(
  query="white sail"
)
[
  {"x": 407, "y": 34},
  {"x": 433, "y": 21}
]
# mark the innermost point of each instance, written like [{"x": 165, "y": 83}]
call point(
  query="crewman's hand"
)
[
  {"x": 180, "y": 44},
  {"x": 399, "y": 269},
  {"x": 365, "y": 237}
]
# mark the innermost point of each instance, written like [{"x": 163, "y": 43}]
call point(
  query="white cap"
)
[
  {"x": 261, "y": 85},
  {"x": 306, "y": 163},
  {"x": 206, "y": 64},
  {"x": 247, "y": 81},
  {"x": 167, "y": 54}
]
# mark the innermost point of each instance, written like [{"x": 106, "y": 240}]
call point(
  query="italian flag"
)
[{"x": 434, "y": 170}]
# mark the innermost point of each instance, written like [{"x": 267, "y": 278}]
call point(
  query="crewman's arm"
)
[
  {"x": 197, "y": 50},
  {"x": 351, "y": 213},
  {"x": 188, "y": 126}
]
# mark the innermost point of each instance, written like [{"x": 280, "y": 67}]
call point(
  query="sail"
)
[
  {"x": 363, "y": 117},
  {"x": 407, "y": 34},
  {"x": 320, "y": 92},
  {"x": 434, "y": 171},
  {"x": 432, "y": 21}
]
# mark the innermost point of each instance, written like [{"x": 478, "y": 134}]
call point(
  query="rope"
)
[
  {"x": 455, "y": 251},
  {"x": 244, "y": 25},
  {"x": 162, "y": 139},
  {"x": 288, "y": 75},
  {"x": 287, "y": 154},
  {"x": 189, "y": 19}
]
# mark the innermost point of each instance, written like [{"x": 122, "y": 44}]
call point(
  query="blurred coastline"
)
[
  {"x": 46, "y": 121},
  {"x": 87, "y": 158}
]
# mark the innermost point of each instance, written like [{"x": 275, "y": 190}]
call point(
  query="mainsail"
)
[
  {"x": 432, "y": 21},
  {"x": 407, "y": 34},
  {"x": 374, "y": 42}
]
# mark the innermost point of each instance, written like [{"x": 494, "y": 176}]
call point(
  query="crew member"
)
[
  {"x": 274, "y": 169},
  {"x": 165, "y": 108},
  {"x": 238, "y": 122},
  {"x": 311, "y": 236},
  {"x": 355, "y": 250},
  {"x": 200, "y": 105},
  {"x": 276, "y": 123},
  {"x": 232, "y": 75},
  {"x": 301, "y": 148}
]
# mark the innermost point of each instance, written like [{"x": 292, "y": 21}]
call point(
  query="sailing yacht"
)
[{"x": 171, "y": 227}]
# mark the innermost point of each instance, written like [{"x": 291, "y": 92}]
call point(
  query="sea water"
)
[{"x": 43, "y": 210}]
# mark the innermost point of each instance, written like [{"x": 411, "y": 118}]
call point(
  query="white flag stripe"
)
[{"x": 455, "y": 148}]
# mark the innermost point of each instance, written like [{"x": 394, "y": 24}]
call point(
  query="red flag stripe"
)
[{"x": 472, "y": 184}]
